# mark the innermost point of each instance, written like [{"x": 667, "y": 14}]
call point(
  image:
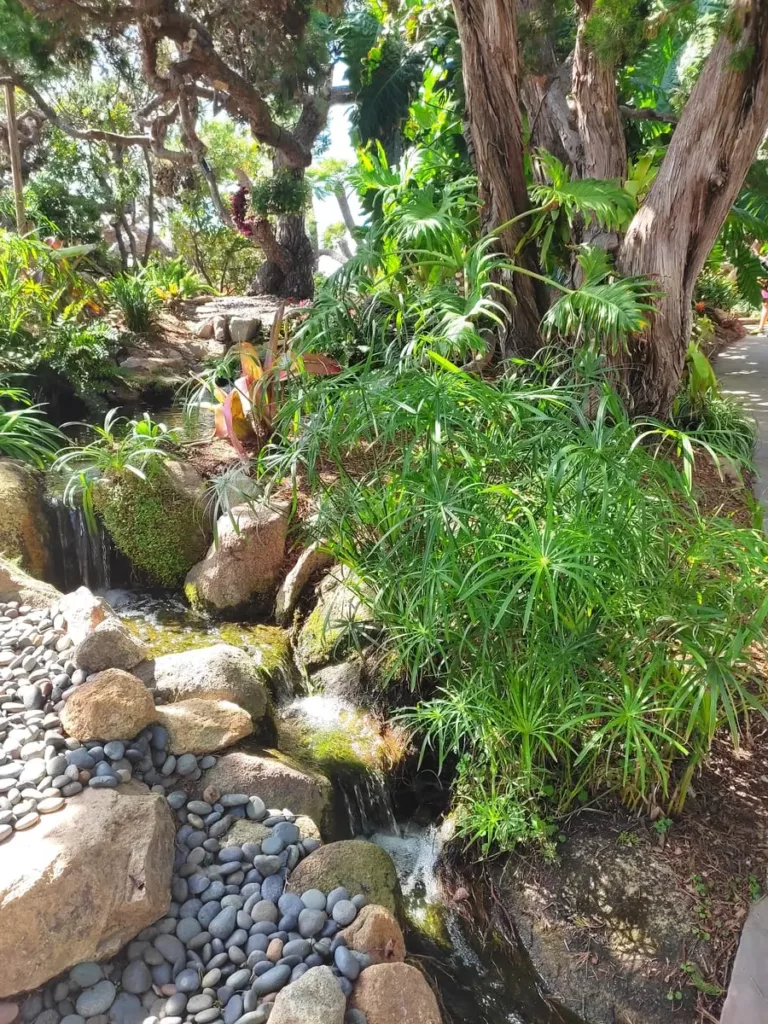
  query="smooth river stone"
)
[
  {"x": 51, "y": 804},
  {"x": 137, "y": 978},
  {"x": 93, "y": 1001}
]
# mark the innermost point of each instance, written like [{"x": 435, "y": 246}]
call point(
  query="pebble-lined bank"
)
[
  {"x": 40, "y": 767},
  {"x": 232, "y": 937}
]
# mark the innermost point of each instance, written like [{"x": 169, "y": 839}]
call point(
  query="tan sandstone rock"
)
[
  {"x": 23, "y": 529},
  {"x": 393, "y": 994},
  {"x": 200, "y": 726},
  {"x": 243, "y": 567},
  {"x": 314, "y": 999},
  {"x": 220, "y": 672},
  {"x": 16, "y": 585},
  {"x": 109, "y": 645},
  {"x": 376, "y": 932},
  {"x": 113, "y": 705},
  {"x": 278, "y": 782},
  {"x": 83, "y": 883}
]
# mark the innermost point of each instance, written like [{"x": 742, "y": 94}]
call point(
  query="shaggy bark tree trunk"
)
[
  {"x": 670, "y": 237},
  {"x": 487, "y": 32}
]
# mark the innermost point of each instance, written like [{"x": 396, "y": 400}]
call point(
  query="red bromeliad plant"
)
[{"x": 246, "y": 412}]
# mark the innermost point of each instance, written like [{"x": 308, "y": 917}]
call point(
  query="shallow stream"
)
[{"x": 477, "y": 982}]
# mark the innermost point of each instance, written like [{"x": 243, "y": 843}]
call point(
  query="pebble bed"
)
[
  {"x": 40, "y": 767},
  {"x": 232, "y": 937}
]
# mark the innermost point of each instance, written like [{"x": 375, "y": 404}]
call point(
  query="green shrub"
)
[
  {"x": 282, "y": 192},
  {"x": 136, "y": 297},
  {"x": 715, "y": 289},
  {"x": 24, "y": 432},
  {"x": 570, "y": 621},
  {"x": 156, "y": 525}
]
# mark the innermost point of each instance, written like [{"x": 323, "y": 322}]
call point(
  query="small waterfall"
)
[
  {"x": 79, "y": 557},
  {"x": 346, "y": 743}
]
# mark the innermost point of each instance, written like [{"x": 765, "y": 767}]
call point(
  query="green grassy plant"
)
[
  {"x": 25, "y": 434},
  {"x": 137, "y": 298},
  {"x": 569, "y": 620}
]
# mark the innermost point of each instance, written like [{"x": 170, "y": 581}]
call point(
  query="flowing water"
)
[{"x": 477, "y": 982}]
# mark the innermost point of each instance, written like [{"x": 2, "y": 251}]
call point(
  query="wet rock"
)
[
  {"x": 339, "y": 604},
  {"x": 313, "y": 560},
  {"x": 355, "y": 864},
  {"x": 83, "y": 612}
]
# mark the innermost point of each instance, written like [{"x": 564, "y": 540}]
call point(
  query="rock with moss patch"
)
[
  {"x": 157, "y": 523},
  {"x": 241, "y": 571},
  {"x": 354, "y": 864},
  {"x": 329, "y": 630},
  {"x": 23, "y": 529},
  {"x": 335, "y": 737}
]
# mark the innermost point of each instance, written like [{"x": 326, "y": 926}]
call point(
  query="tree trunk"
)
[
  {"x": 289, "y": 267},
  {"x": 670, "y": 237},
  {"x": 487, "y": 32},
  {"x": 544, "y": 87}
]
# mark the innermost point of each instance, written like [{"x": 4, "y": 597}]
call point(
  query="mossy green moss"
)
[
  {"x": 318, "y": 641},
  {"x": 154, "y": 523}
]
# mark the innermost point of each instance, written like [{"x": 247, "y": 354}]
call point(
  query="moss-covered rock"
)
[
  {"x": 156, "y": 523},
  {"x": 23, "y": 529},
  {"x": 328, "y": 632},
  {"x": 328, "y": 734},
  {"x": 356, "y": 864}
]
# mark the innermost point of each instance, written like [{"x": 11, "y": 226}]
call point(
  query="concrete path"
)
[
  {"x": 747, "y": 999},
  {"x": 743, "y": 373}
]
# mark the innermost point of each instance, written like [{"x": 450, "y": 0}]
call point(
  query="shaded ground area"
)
[{"x": 638, "y": 922}]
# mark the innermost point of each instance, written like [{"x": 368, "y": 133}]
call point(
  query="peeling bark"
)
[
  {"x": 670, "y": 237},
  {"x": 487, "y": 32}
]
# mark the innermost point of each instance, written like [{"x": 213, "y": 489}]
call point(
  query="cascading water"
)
[
  {"x": 345, "y": 740},
  {"x": 80, "y": 557},
  {"x": 476, "y": 981}
]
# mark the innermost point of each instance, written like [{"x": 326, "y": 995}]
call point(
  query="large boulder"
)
[
  {"x": 203, "y": 726},
  {"x": 83, "y": 612},
  {"x": 83, "y": 883},
  {"x": 109, "y": 645},
  {"x": 355, "y": 864},
  {"x": 16, "y": 585},
  {"x": 276, "y": 780},
  {"x": 376, "y": 932},
  {"x": 158, "y": 522},
  {"x": 221, "y": 672},
  {"x": 340, "y": 609},
  {"x": 113, "y": 705},
  {"x": 242, "y": 569},
  {"x": 313, "y": 560},
  {"x": 314, "y": 999},
  {"x": 23, "y": 529},
  {"x": 393, "y": 993}
]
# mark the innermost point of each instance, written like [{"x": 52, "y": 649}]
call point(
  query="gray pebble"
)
[
  {"x": 98, "y": 999},
  {"x": 136, "y": 978}
]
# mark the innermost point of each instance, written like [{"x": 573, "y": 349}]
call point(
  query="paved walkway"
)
[{"x": 743, "y": 372}]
